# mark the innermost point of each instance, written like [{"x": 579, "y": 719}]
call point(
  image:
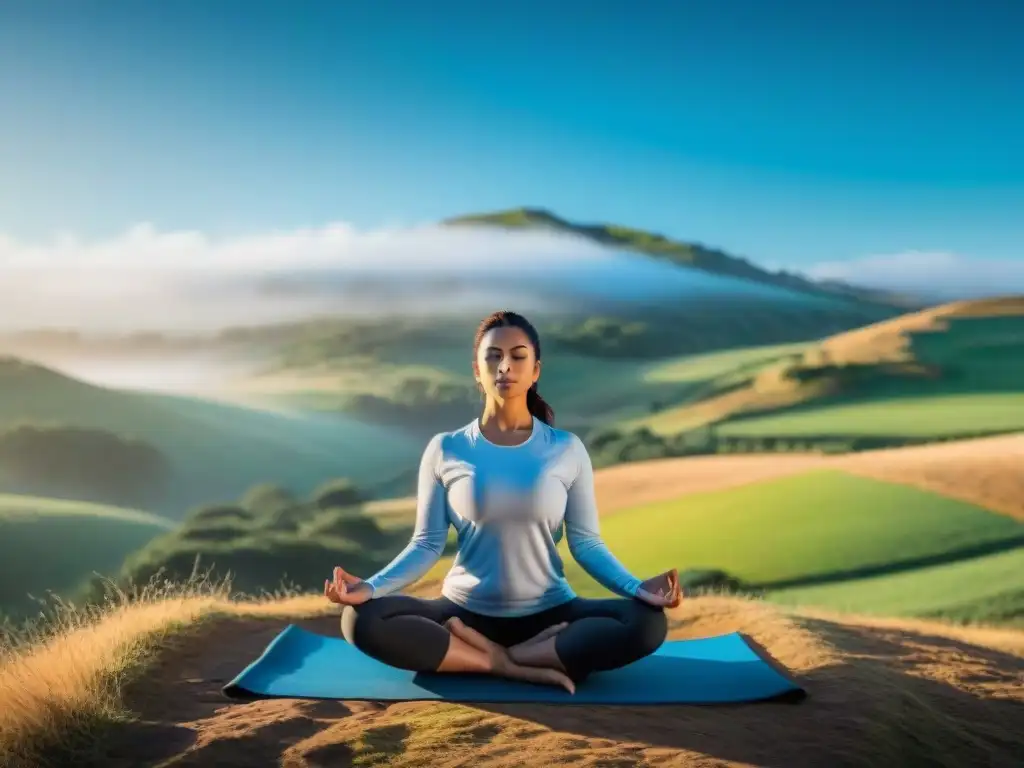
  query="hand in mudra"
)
[
  {"x": 347, "y": 589},
  {"x": 662, "y": 591}
]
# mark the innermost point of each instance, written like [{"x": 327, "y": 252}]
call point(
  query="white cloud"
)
[
  {"x": 145, "y": 279},
  {"x": 336, "y": 245},
  {"x": 931, "y": 273}
]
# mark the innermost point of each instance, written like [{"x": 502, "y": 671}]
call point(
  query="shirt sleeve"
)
[
  {"x": 429, "y": 534},
  {"x": 583, "y": 534}
]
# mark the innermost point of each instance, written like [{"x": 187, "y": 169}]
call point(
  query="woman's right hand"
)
[{"x": 347, "y": 589}]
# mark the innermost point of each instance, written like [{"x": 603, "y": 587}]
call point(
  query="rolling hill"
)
[
  {"x": 948, "y": 372},
  {"x": 954, "y": 370},
  {"x": 216, "y": 450},
  {"x": 596, "y": 370},
  {"x": 660, "y": 247},
  {"x": 53, "y": 545}
]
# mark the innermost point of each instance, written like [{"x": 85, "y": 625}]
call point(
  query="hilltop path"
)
[{"x": 881, "y": 693}]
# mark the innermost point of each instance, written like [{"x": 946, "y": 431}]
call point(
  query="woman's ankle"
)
[{"x": 463, "y": 657}]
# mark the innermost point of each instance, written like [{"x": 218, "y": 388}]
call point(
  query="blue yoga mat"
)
[{"x": 715, "y": 670}]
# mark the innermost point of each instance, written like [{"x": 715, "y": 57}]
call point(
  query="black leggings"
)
[{"x": 406, "y": 632}]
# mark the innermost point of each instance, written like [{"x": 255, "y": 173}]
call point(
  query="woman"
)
[{"x": 508, "y": 482}]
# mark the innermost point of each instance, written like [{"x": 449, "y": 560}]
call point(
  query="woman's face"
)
[{"x": 506, "y": 364}]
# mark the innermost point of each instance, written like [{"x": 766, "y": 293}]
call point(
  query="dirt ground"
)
[{"x": 879, "y": 694}]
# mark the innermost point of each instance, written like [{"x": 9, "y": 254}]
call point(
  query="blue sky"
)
[{"x": 791, "y": 132}]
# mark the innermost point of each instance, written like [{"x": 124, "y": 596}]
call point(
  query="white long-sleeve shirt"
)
[{"x": 509, "y": 505}]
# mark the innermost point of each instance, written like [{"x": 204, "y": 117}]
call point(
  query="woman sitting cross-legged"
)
[{"x": 509, "y": 482}]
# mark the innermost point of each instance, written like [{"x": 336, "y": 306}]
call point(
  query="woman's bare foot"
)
[{"x": 502, "y": 664}]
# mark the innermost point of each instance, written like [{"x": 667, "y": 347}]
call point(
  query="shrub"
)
[
  {"x": 350, "y": 523},
  {"x": 337, "y": 493},
  {"x": 266, "y": 498},
  {"x": 710, "y": 579},
  {"x": 218, "y": 531},
  {"x": 286, "y": 518},
  {"x": 217, "y": 514}
]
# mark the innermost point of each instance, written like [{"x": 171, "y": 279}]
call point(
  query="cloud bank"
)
[
  {"x": 336, "y": 245},
  {"x": 146, "y": 279},
  {"x": 938, "y": 275}
]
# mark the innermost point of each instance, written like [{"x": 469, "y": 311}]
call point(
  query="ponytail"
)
[{"x": 538, "y": 406}]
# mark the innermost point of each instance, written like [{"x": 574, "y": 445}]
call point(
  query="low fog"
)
[
  {"x": 188, "y": 282},
  {"x": 931, "y": 275}
]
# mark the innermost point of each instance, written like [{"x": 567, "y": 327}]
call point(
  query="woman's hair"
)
[{"x": 536, "y": 404}]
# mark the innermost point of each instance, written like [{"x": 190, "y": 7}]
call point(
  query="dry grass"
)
[
  {"x": 881, "y": 693},
  {"x": 887, "y": 341},
  {"x": 1006, "y": 640},
  {"x": 988, "y": 472},
  {"x": 771, "y": 389},
  {"x": 61, "y": 678}
]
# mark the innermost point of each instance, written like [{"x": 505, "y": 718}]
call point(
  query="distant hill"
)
[
  {"x": 55, "y": 545},
  {"x": 87, "y": 464},
  {"x": 215, "y": 450},
  {"x": 688, "y": 254},
  {"x": 953, "y": 370},
  {"x": 598, "y": 369}
]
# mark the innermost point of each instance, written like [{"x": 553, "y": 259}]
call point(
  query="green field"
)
[
  {"x": 989, "y": 588},
  {"x": 800, "y": 527},
  {"x": 916, "y": 417},
  {"x": 819, "y": 525},
  {"x": 713, "y": 365},
  {"x": 217, "y": 450},
  {"x": 50, "y": 544}
]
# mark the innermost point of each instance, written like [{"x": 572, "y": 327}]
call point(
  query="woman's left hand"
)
[{"x": 661, "y": 591}]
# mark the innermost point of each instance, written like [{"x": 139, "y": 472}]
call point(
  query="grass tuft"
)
[{"x": 63, "y": 672}]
